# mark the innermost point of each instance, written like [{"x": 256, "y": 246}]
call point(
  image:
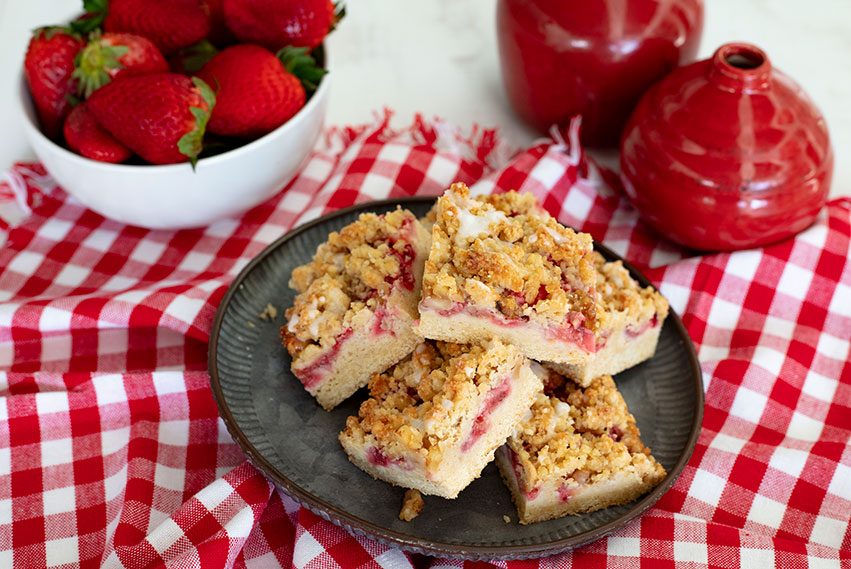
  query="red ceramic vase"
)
[
  {"x": 727, "y": 153},
  {"x": 591, "y": 57}
]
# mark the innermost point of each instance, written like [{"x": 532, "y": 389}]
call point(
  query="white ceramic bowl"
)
[{"x": 173, "y": 196}]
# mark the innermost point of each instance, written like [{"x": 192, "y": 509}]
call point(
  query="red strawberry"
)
[
  {"x": 115, "y": 55},
  {"x": 48, "y": 66},
  {"x": 84, "y": 135},
  {"x": 170, "y": 24},
  {"x": 257, "y": 91},
  {"x": 161, "y": 116},
  {"x": 278, "y": 23}
]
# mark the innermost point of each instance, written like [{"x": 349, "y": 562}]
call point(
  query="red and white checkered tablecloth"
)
[{"x": 112, "y": 453}]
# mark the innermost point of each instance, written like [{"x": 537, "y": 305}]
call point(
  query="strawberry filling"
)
[
  {"x": 571, "y": 332},
  {"x": 313, "y": 374},
  {"x": 518, "y": 474},
  {"x": 382, "y": 323},
  {"x": 636, "y": 332},
  {"x": 565, "y": 493},
  {"x": 406, "y": 256},
  {"x": 377, "y": 457},
  {"x": 406, "y": 266},
  {"x": 615, "y": 433},
  {"x": 481, "y": 423},
  {"x": 575, "y": 333}
]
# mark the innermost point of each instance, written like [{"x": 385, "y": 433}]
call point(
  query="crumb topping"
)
[
  {"x": 351, "y": 272},
  {"x": 587, "y": 433},
  {"x": 418, "y": 404},
  {"x": 619, "y": 293},
  {"x": 269, "y": 312},
  {"x": 503, "y": 252},
  {"x": 412, "y": 505}
]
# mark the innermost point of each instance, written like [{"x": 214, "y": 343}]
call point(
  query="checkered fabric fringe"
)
[{"x": 112, "y": 453}]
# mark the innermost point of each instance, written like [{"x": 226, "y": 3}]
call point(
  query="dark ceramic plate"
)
[{"x": 293, "y": 441}]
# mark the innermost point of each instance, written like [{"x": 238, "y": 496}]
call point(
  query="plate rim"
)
[{"x": 387, "y": 536}]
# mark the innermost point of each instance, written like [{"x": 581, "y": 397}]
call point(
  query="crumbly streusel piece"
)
[
  {"x": 578, "y": 451},
  {"x": 412, "y": 505},
  {"x": 629, "y": 320},
  {"x": 356, "y": 305},
  {"x": 434, "y": 420},
  {"x": 500, "y": 266}
]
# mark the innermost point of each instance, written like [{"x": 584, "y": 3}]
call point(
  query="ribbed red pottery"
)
[
  {"x": 591, "y": 57},
  {"x": 727, "y": 153}
]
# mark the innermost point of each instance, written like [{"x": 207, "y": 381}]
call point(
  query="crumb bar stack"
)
[{"x": 447, "y": 330}]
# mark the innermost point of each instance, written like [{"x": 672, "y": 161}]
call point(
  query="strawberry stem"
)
[
  {"x": 192, "y": 143},
  {"x": 300, "y": 63},
  {"x": 96, "y": 11},
  {"x": 194, "y": 57},
  {"x": 92, "y": 63}
]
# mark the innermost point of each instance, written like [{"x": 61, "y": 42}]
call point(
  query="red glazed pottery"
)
[
  {"x": 727, "y": 153},
  {"x": 591, "y": 57}
]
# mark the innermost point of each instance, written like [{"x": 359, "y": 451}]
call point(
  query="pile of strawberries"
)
[{"x": 165, "y": 79}]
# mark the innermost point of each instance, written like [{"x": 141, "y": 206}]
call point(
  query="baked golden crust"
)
[
  {"x": 415, "y": 406},
  {"x": 505, "y": 253},
  {"x": 351, "y": 273},
  {"x": 619, "y": 294},
  {"x": 587, "y": 433},
  {"x": 412, "y": 505}
]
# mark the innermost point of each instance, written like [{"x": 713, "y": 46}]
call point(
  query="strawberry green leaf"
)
[
  {"x": 339, "y": 14},
  {"x": 96, "y": 11},
  {"x": 73, "y": 100},
  {"x": 192, "y": 143},
  {"x": 196, "y": 56},
  {"x": 47, "y": 32},
  {"x": 207, "y": 93},
  {"x": 300, "y": 63},
  {"x": 93, "y": 62}
]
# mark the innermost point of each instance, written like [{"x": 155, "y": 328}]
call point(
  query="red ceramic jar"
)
[
  {"x": 727, "y": 153},
  {"x": 591, "y": 57}
]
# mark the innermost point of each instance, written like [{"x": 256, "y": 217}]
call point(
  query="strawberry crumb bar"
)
[
  {"x": 629, "y": 320},
  {"x": 356, "y": 305},
  {"x": 502, "y": 267},
  {"x": 578, "y": 451},
  {"x": 434, "y": 420}
]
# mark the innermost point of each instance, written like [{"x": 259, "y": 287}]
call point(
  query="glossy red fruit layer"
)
[
  {"x": 170, "y": 24},
  {"x": 48, "y": 66},
  {"x": 727, "y": 153},
  {"x": 85, "y": 136},
  {"x": 278, "y": 23},
  {"x": 151, "y": 114},
  {"x": 595, "y": 58},
  {"x": 143, "y": 56},
  {"x": 100, "y": 62},
  {"x": 255, "y": 95}
]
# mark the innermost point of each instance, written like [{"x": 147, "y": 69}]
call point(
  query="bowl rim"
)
[{"x": 30, "y": 119}]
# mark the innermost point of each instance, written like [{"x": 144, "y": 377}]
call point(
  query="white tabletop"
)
[{"x": 439, "y": 57}]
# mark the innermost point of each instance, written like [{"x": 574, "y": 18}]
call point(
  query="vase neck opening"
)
[{"x": 741, "y": 66}]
